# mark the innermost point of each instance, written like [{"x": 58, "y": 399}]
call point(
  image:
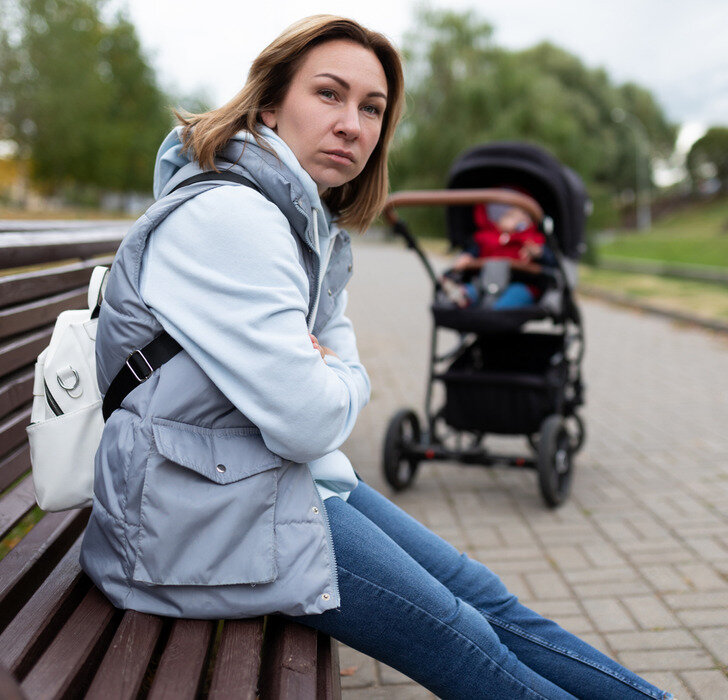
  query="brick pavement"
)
[{"x": 636, "y": 562}]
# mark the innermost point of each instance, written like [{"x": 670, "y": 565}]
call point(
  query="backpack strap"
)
[
  {"x": 140, "y": 365},
  {"x": 137, "y": 368},
  {"x": 225, "y": 175}
]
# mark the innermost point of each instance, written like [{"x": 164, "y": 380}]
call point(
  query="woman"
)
[{"x": 219, "y": 489}]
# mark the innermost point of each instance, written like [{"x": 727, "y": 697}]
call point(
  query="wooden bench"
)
[{"x": 59, "y": 636}]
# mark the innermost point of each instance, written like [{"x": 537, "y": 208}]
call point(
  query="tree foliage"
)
[
  {"x": 78, "y": 96},
  {"x": 708, "y": 156},
  {"x": 464, "y": 90}
]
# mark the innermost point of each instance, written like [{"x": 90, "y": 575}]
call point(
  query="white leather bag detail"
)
[
  {"x": 66, "y": 420},
  {"x": 62, "y": 451}
]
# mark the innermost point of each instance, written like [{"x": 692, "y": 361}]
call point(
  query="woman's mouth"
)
[{"x": 343, "y": 157}]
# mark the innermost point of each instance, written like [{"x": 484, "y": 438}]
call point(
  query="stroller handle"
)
[{"x": 414, "y": 198}]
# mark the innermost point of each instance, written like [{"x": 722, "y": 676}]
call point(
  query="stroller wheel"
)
[
  {"x": 403, "y": 433},
  {"x": 533, "y": 441},
  {"x": 577, "y": 431},
  {"x": 554, "y": 461}
]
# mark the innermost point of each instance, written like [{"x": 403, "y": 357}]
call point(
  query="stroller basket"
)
[{"x": 505, "y": 384}]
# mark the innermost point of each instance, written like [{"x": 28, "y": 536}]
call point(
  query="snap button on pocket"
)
[
  {"x": 325, "y": 596},
  {"x": 315, "y": 510},
  {"x": 330, "y": 292},
  {"x": 221, "y": 468}
]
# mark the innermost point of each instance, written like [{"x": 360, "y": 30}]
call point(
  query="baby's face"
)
[{"x": 514, "y": 219}]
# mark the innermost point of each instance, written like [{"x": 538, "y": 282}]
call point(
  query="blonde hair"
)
[{"x": 356, "y": 202}]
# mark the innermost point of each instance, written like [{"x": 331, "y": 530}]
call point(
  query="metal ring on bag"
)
[{"x": 77, "y": 379}]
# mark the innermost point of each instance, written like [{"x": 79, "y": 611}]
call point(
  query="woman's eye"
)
[
  {"x": 328, "y": 94},
  {"x": 372, "y": 109}
]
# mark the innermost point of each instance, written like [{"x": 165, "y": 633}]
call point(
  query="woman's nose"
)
[{"x": 348, "y": 124}]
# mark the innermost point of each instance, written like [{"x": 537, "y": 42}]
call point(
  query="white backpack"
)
[
  {"x": 66, "y": 421},
  {"x": 67, "y": 418}
]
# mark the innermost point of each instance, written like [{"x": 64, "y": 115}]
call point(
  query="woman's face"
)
[{"x": 331, "y": 116}]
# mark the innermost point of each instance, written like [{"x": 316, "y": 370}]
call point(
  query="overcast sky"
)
[{"x": 677, "y": 49}]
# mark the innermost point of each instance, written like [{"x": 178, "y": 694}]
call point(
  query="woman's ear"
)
[{"x": 269, "y": 119}]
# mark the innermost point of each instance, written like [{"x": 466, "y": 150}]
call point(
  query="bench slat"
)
[
  {"x": 16, "y": 391},
  {"x": 181, "y": 669},
  {"x": 34, "y": 314},
  {"x": 15, "y": 464},
  {"x": 44, "y": 225},
  {"x": 72, "y": 654},
  {"x": 238, "y": 660},
  {"x": 38, "y": 284},
  {"x": 26, "y": 566},
  {"x": 15, "y": 504},
  {"x": 24, "y": 350},
  {"x": 122, "y": 671},
  {"x": 24, "y": 639},
  {"x": 289, "y": 666},
  {"x": 12, "y": 430},
  {"x": 9, "y": 688},
  {"x": 21, "y": 249}
]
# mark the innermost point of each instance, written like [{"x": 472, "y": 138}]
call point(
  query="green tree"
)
[
  {"x": 464, "y": 90},
  {"x": 79, "y": 98},
  {"x": 708, "y": 156}
]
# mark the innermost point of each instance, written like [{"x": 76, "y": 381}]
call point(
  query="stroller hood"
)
[{"x": 528, "y": 168}]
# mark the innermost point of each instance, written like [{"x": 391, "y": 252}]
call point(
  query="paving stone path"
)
[{"x": 636, "y": 562}]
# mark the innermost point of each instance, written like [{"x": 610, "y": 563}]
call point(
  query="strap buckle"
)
[{"x": 141, "y": 367}]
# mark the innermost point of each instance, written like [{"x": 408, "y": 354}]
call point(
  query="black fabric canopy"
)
[{"x": 526, "y": 168}]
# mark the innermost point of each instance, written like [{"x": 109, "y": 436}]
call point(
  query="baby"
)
[{"x": 503, "y": 232}]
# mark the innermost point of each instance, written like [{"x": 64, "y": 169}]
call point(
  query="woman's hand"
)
[{"x": 321, "y": 348}]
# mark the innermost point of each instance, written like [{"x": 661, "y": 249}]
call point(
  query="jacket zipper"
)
[
  {"x": 314, "y": 311},
  {"x": 330, "y": 545}
]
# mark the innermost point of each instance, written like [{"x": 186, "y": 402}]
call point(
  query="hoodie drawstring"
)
[{"x": 324, "y": 266}]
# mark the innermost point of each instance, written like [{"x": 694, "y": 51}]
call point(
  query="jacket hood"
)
[{"x": 171, "y": 158}]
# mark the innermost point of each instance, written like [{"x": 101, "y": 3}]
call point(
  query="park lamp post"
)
[{"x": 642, "y": 148}]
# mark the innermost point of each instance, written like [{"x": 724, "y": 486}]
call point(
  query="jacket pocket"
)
[{"x": 207, "y": 507}]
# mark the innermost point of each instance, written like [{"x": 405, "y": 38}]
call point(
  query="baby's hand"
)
[
  {"x": 530, "y": 251},
  {"x": 462, "y": 262}
]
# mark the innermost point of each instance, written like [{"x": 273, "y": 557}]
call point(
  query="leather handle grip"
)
[{"x": 414, "y": 198}]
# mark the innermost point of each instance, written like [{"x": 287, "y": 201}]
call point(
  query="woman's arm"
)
[
  {"x": 223, "y": 276},
  {"x": 338, "y": 335}
]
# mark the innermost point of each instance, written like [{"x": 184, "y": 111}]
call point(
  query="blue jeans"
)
[
  {"x": 412, "y": 601},
  {"x": 515, "y": 295}
]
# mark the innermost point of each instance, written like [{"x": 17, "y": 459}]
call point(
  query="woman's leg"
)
[
  {"x": 539, "y": 643},
  {"x": 393, "y": 610}
]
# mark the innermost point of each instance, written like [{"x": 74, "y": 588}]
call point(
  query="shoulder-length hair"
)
[{"x": 356, "y": 202}]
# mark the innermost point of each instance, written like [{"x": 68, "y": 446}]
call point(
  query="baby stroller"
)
[{"x": 514, "y": 371}]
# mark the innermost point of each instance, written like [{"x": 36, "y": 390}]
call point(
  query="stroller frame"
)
[{"x": 558, "y": 436}]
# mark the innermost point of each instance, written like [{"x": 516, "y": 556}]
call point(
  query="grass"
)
[
  {"x": 20, "y": 530},
  {"x": 702, "y": 299},
  {"x": 697, "y": 235}
]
